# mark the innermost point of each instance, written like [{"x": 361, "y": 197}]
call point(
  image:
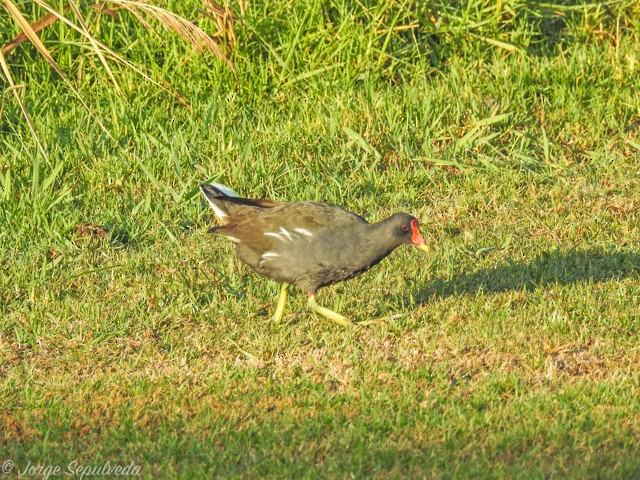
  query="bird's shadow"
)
[{"x": 549, "y": 268}]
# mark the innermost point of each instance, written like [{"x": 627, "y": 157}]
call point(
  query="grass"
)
[{"x": 127, "y": 334}]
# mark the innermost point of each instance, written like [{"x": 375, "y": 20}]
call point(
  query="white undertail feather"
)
[
  {"x": 224, "y": 189},
  {"x": 221, "y": 214},
  {"x": 303, "y": 231}
]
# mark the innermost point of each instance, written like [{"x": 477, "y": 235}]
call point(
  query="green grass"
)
[{"x": 149, "y": 342}]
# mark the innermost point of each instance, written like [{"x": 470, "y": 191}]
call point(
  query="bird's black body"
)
[{"x": 306, "y": 244}]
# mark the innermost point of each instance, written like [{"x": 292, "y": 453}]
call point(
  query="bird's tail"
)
[
  {"x": 214, "y": 194},
  {"x": 228, "y": 206}
]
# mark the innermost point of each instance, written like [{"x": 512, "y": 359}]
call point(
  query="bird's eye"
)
[{"x": 405, "y": 228}]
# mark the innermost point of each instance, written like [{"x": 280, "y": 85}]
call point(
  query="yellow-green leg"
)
[
  {"x": 282, "y": 299},
  {"x": 330, "y": 314}
]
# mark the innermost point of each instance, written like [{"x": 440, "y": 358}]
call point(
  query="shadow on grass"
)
[{"x": 554, "y": 267}]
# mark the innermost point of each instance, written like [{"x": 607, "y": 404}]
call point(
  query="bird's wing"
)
[{"x": 263, "y": 228}]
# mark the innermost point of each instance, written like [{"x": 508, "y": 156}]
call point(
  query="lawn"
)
[{"x": 509, "y": 129}]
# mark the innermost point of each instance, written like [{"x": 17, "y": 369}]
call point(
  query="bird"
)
[{"x": 306, "y": 244}]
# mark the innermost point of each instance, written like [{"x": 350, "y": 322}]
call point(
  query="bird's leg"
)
[
  {"x": 282, "y": 299},
  {"x": 325, "y": 312}
]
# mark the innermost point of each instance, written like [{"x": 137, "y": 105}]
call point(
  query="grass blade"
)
[
  {"x": 496, "y": 43},
  {"x": 113, "y": 55},
  {"x": 149, "y": 175},
  {"x": 183, "y": 27},
  {"x": 5, "y": 185},
  {"x": 95, "y": 45},
  {"x": 36, "y": 26},
  {"x": 35, "y": 40},
  {"x": 361, "y": 142},
  {"x": 14, "y": 89},
  {"x": 312, "y": 73},
  {"x": 478, "y": 128}
]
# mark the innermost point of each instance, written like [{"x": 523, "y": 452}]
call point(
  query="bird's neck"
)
[{"x": 377, "y": 241}]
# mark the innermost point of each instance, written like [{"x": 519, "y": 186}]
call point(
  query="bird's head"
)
[{"x": 407, "y": 229}]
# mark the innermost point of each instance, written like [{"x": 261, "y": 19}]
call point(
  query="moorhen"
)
[{"x": 306, "y": 244}]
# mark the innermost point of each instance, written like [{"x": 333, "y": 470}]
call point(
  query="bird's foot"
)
[{"x": 330, "y": 314}]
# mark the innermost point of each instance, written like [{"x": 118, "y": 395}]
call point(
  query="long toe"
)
[{"x": 330, "y": 314}]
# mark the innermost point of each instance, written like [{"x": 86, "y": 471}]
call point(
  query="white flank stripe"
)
[
  {"x": 270, "y": 254},
  {"x": 224, "y": 189},
  {"x": 303, "y": 231},
  {"x": 286, "y": 233},
  {"x": 274, "y": 235}
]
